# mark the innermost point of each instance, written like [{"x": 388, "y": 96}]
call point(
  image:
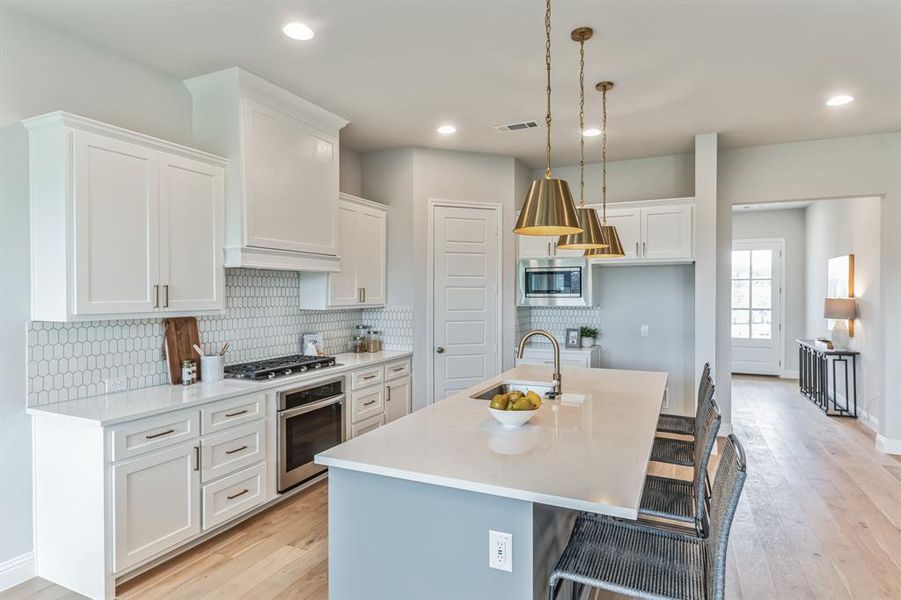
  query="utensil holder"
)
[{"x": 211, "y": 369}]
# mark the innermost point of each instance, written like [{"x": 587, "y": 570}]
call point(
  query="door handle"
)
[
  {"x": 364, "y": 294},
  {"x": 196, "y": 458},
  {"x": 238, "y": 449},
  {"x": 156, "y": 296},
  {"x": 439, "y": 350},
  {"x": 644, "y": 249},
  {"x": 637, "y": 253},
  {"x": 166, "y": 295},
  {"x": 387, "y": 393}
]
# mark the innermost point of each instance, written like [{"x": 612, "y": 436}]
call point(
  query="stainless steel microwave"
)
[{"x": 557, "y": 282}]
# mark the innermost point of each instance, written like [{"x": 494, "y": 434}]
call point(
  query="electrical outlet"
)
[
  {"x": 500, "y": 550},
  {"x": 114, "y": 385},
  {"x": 644, "y": 331}
]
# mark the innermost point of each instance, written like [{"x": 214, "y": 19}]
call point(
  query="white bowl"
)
[{"x": 513, "y": 418}]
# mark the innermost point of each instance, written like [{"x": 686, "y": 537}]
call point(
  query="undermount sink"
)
[{"x": 506, "y": 387}]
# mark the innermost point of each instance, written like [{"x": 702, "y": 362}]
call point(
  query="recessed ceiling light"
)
[
  {"x": 840, "y": 100},
  {"x": 447, "y": 129},
  {"x": 591, "y": 132},
  {"x": 298, "y": 31}
]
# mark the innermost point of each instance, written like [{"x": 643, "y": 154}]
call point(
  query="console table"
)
[{"x": 818, "y": 369}]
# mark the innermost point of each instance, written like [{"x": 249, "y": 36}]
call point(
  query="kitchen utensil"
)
[
  {"x": 212, "y": 368},
  {"x": 224, "y": 348},
  {"x": 181, "y": 336},
  {"x": 197, "y": 349}
]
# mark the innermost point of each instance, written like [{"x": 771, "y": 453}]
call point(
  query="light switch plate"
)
[
  {"x": 500, "y": 550},
  {"x": 644, "y": 331}
]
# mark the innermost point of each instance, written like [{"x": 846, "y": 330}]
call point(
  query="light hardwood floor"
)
[{"x": 820, "y": 517}]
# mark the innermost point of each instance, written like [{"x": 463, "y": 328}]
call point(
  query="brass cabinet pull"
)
[
  {"x": 369, "y": 377},
  {"x": 166, "y": 295},
  {"x": 644, "y": 249},
  {"x": 387, "y": 393},
  {"x": 160, "y": 434},
  {"x": 241, "y": 493},
  {"x": 396, "y": 369},
  {"x": 156, "y": 296},
  {"x": 235, "y": 414},
  {"x": 637, "y": 253},
  {"x": 364, "y": 294},
  {"x": 368, "y": 403},
  {"x": 196, "y": 458},
  {"x": 236, "y": 450}
]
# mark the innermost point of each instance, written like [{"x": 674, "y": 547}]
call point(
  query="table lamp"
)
[{"x": 840, "y": 310}]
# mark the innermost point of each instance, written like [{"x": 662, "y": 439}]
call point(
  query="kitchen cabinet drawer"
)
[
  {"x": 367, "y": 403},
  {"x": 145, "y": 435},
  {"x": 366, "y": 377},
  {"x": 233, "y": 495},
  {"x": 232, "y": 449},
  {"x": 369, "y": 424},
  {"x": 398, "y": 369},
  {"x": 227, "y": 413}
]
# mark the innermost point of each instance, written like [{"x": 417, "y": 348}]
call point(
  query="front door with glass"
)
[{"x": 757, "y": 345}]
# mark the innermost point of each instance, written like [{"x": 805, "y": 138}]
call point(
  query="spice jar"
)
[
  {"x": 188, "y": 372},
  {"x": 375, "y": 341},
  {"x": 359, "y": 344}
]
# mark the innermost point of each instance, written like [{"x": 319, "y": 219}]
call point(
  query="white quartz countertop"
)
[
  {"x": 118, "y": 407},
  {"x": 586, "y": 450}
]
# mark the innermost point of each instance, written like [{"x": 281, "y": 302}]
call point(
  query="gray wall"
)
[
  {"x": 661, "y": 297},
  {"x": 351, "y": 174},
  {"x": 790, "y": 226},
  {"x": 834, "y": 228},
  {"x": 42, "y": 70}
]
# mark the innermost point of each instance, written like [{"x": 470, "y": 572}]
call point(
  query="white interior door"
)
[
  {"x": 466, "y": 291},
  {"x": 757, "y": 306}
]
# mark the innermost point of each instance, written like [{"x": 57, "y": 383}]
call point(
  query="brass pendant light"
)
[
  {"x": 591, "y": 236},
  {"x": 615, "y": 247},
  {"x": 548, "y": 208}
]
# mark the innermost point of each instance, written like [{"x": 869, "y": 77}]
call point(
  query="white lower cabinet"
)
[
  {"x": 233, "y": 495},
  {"x": 397, "y": 398},
  {"x": 156, "y": 500},
  {"x": 569, "y": 357},
  {"x": 367, "y": 425},
  {"x": 232, "y": 449}
]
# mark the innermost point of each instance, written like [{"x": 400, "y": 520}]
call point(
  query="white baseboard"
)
[
  {"x": 867, "y": 419},
  {"x": 789, "y": 374},
  {"x": 888, "y": 445},
  {"x": 16, "y": 570}
]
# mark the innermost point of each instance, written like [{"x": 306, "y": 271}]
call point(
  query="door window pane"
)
[
  {"x": 741, "y": 316},
  {"x": 761, "y": 264},
  {"x": 741, "y": 264},
  {"x": 760, "y": 316},
  {"x": 761, "y": 293},
  {"x": 761, "y": 331},
  {"x": 740, "y": 331},
  {"x": 740, "y": 294}
]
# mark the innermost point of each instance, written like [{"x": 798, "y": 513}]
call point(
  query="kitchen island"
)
[{"x": 411, "y": 504}]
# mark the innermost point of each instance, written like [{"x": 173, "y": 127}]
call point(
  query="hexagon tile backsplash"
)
[
  {"x": 261, "y": 320},
  {"x": 557, "y": 319}
]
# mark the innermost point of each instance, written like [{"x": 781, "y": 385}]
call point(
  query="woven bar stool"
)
[
  {"x": 680, "y": 500},
  {"x": 682, "y": 424},
  {"x": 642, "y": 561},
  {"x": 680, "y": 452}
]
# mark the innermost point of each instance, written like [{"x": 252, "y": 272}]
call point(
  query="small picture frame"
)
[{"x": 573, "y": 338}]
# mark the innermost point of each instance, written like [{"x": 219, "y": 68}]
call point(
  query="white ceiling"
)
[{"x": 757, "y": 71}]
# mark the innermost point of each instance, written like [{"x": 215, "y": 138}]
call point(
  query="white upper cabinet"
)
[
  {"x": 122, "y": 224},
  {"x": 653, "y": 233},
  {"x": 363, "y": 248},
  {"x": 282, "y": 191}
]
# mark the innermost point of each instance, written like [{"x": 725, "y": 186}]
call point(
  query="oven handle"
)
[{"x": 293, "y": 412}]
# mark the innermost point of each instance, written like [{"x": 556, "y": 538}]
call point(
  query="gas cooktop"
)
[{"x": 278, "y": 367}]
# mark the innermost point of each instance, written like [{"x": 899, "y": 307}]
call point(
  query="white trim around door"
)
[
  {"x": 433, "y": 204},
  {"x": 752, "y": 351}
]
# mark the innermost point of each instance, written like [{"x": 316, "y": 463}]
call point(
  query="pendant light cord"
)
[
  {"x": 582, "y": 121},
  {"x": 604, "y": 153},
  {"x": 547, "y": 64}
]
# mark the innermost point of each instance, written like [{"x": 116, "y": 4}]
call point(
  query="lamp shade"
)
[
  {"x": 614, "y": 247},
  {"x": 840, "y": 308},
  {"x": 548, "y": 210},
  {"x": 590, "y": 238}
]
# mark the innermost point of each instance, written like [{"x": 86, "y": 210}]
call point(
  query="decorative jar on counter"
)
[{"x": 374, "y": 343}]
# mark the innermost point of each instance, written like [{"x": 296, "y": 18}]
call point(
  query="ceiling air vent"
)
[{"x": 517, "y": 126}]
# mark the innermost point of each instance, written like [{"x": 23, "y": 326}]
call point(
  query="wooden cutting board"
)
[{"x": 181, "y": 334}]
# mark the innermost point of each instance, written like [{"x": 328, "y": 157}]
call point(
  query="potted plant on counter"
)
[{"x": 588, "y": 336}]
